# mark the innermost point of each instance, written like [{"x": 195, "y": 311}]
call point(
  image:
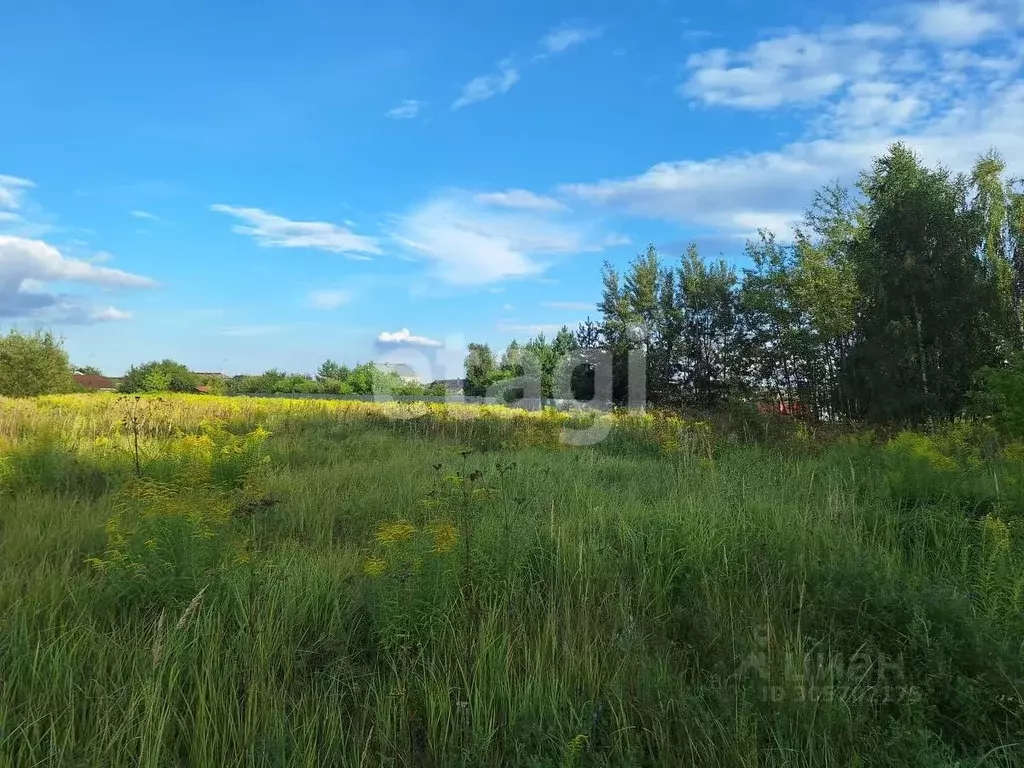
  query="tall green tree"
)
[
  {"x": 480, "y": 370},
  {"x": 708, "y": 341},
  {"x": 998, "y": 203},
  {"x": 925, "y": 301}
]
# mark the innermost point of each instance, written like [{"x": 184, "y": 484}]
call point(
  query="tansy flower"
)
[
  {"x": 374, "y": 567},
  {"x": 392, "y": 533},
  {"x": 445, "y": 537}
]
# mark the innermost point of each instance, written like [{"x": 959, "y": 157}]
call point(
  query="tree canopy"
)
[{"x": 885, "y": 305}]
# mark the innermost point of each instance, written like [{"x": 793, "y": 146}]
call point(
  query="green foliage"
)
[
  {"x": 998, "y": 396},
  {"x": 158, "y": 376},
  {"x": 883, "y": 307},
  {"x": 925, "y": 304},
  {"x": 411, "y": 602},
  {"x": 480, "y": 370},
  {"x": 331, "y": 379},
  {"x": 33, "y": 364},
  {"x": 173, "y": 530}
]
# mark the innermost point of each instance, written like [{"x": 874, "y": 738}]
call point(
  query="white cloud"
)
[
  {"x": 520, "y": 198},
  {"x": 563, "y": 38},
  {"x": 9, "y": 216},
  {"x": 403, "y": 338},
  {"x": 507, "y": 307},
  {"x": 948, "y": 105},
  {"x": 144, "y": 215},
  {"x": 485, "y": 86},
  {"x": 473, "y": 245},
  {"x": 22, "y": 259},
  {"x": 111, "y": 313},
  {"x": 955, "y": 23},
  {"x": 406, "y": 110},
  {"x": 328, "y": 299},
  {"x": 576, "y": 306},
  {"x": 27, "y": 266},
  {"x": 272, "y": 231},
  {"x": 794, "y": 68},
  {"x": 11, "y": 190}
]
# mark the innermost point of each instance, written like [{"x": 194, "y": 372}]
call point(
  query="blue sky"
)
[{"x": 240, "y": 186}]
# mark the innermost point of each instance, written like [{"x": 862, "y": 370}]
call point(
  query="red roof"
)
[{"x": 91, "y": 381}]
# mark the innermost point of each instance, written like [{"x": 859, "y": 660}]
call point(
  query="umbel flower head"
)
[{"x": 374, "y": 567}]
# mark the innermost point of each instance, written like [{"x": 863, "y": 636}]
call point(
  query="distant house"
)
[
  {"x": 403, "y": 371},
  {"x": 454, "y": 386},
  {"x": 95, "y": 383}
]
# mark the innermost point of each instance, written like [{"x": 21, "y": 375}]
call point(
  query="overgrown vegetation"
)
[
  {"x": 300, "y": 582},
  {"x": 331, "y": 379}
]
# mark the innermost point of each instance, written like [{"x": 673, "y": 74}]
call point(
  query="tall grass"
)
[{"x": 361, "y": 589}]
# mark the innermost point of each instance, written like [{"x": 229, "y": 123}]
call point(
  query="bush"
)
[
  {"x": 159, "y": 376},
  {"x": 998, "y": 396},
  {"x": 34, "y": 364}
]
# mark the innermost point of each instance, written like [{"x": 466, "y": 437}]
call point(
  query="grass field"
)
[{"x": 301, "y": 583}]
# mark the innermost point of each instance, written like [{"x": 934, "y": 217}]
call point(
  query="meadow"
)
[{"x": 235, "y": 581}]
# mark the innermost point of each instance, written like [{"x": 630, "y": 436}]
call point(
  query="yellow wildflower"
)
[
  {"x": 374, "y": 567},
  {"x": 445, "y": 537},
  {"x": 392, "y": 533}
]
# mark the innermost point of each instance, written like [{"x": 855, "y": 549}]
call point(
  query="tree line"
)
[
  {"x": 889, "y": 302},
  {"x": 36, "y": 364}
]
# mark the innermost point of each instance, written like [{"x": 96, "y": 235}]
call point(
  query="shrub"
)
[
  {"x": 159, "y": 376},
  {"x": 998, "y": 396},
  {"x": 33, "y": 364}
]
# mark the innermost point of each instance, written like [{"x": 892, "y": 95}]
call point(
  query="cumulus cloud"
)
[
  {"x": 272, "y": 231},
  {"x": 520, "y": 198},
  {"x": 328, "y": 299},
  {"x": 565, "y": 37},
  {"x": 403, "y": 338},
  {"x": 470, "y": 244},
  {"x": 406, "y": 110},
  {"x": 955, "y": 23},
  {"x": 485, "y": 86},
  {"x": 27, "y": 266}
]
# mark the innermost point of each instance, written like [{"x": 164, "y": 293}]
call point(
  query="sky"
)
[{"x": 241, "y": 186}]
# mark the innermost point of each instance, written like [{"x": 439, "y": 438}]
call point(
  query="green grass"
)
[{"x": 771, "y": 608}]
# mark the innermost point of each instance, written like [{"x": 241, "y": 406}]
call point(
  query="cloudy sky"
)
[{"x": 242, "y": 185}]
